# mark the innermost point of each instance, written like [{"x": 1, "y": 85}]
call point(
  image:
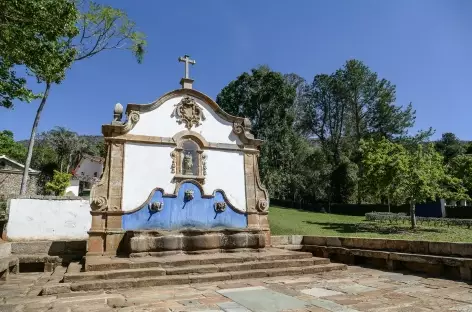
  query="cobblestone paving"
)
[{"x": 357, "y": 289}]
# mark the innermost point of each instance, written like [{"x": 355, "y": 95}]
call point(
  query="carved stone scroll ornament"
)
[
  {"x": 99, "y": 204},
  {"x": 243, "y": 130},
  {"x": 262, "y": 205},
  {"x": 133, "y": 118},
  {"x": 188, "y": 112}
]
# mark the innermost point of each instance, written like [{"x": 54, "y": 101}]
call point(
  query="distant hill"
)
[{"x": 91, "y": 139}]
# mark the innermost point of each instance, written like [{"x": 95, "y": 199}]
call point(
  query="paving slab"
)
[
  {"x": 320, "y": 292},
  {"x": 355, "y": 288},
  {"x": 331, "y": 306},
  {"x": 261, "y": 299}
]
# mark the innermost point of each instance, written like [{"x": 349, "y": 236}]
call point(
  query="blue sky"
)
[{"x": 422, "y": 46}]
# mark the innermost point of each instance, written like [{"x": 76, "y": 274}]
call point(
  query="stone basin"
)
[{"x": 192, "y": 240}]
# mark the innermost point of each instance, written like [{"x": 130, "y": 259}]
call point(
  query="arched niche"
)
[{"x": 189, "y": 159}]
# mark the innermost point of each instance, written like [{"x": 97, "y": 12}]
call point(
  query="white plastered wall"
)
[
  {"x": 31, "y": 219},
  {"x": 147, "y": 166},
  {"x": 159, "y": 122}
]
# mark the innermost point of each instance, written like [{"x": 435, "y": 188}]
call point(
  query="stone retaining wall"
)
[
  {"x": 453, "y": 260},
  {"x": 397, "y": 245},
  {"x": 47, "y": 218}
]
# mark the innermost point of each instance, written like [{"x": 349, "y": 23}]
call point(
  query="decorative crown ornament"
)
[{"x": 187, "y": 111}]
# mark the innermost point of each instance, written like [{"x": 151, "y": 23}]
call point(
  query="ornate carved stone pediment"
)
[{"x": 188, "y": 112}]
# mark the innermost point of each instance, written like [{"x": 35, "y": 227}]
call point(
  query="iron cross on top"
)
[{"x": 186, "y": 59}]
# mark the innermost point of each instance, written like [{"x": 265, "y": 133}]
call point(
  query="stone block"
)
[
  {"x": 333, "y": 241},
  {"x": 278, "y": 240},
  {"x": 104, "y": 284},
  {"x": 78, "y": 247},
  {"x": 372, "y": 243},
  {"x": 95, "y": 243},
  {"x": 5, "y": 249},
  {"x": 239, "y": 240},
  {"x": 202, "y": 242},
  {"x": 37, "y": 247},
  {"x": 369, "y": 253},
  {"x": 439, "y": 248},
  {"x": 418, "y": 247},
  {"x": 397, "y": 245},
  {"x": 461, "y": 249},
  {"x": 53, "y": 289},
  {"x": 248, "y": 274},
  {"x": 465, "y": 273},
  {"x": 113, "y": 242},
  {"x": 296, "y": 239},
  {"x": 352, "y": 242},
  {"x": 314, "y": 240},
  {"x": 114, "y": 222},
  {"x": 169, "y": 243},
  {"x": 253, "y": 220},
  {"x": 98, "y": 222},
  {"x": 140, "y": 244},
  {"x": 263, "y": 221},
  {"x": 211, "y": 277}
]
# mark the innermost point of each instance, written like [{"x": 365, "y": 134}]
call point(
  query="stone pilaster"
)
[{"x": 256, "y": 196}]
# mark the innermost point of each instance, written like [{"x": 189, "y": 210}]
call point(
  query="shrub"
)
[
  {"x": 60, "y": 181},
  {"x": 403, "y": 218}
]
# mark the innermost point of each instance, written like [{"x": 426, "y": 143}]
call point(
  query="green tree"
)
[
  {"x": 60, "y": 181},
  {"x": 33, "y": 33},
  {"x": 449, "y": 146},
  {"x": 461, "y": 168},
  {"x": 267, "y": 99},
  {"x": 426, "y": 179},
  {"x": 345, "y": 107},
  {"x": 10, "y": 148},
  {"x": 68, "y": 146},
  {"x": 385, "y": 163},
  {"x": 98, "y": 28}
]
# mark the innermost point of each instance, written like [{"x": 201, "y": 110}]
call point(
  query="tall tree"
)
[
  {"x": 100, "y": 28},
  {"x": 267, "y": 99},
  {"x": 449, "y": 146},
  {"x": 32, "y": 35},
  {"x": 350, "y": 105}
]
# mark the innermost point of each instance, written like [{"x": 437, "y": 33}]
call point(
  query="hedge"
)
[{"x": 403, "y": 218}]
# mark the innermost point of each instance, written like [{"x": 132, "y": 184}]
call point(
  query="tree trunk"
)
[
  {"x": 24, "y": 181},
  {"x": 412, "y": 214},
  {"x": 388, "y": 203}
]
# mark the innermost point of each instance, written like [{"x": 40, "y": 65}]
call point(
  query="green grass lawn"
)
[{"x": 285, "y": 221}]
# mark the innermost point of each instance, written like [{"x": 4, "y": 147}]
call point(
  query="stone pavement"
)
[{"x": 357, "y": 289}]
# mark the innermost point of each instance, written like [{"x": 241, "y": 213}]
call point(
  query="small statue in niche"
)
[{"x": 188, "y": 164}]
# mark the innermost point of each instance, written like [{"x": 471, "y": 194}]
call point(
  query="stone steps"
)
[
  {"x": 193, "y": 269},
  {"x": 188, "y": 260},
  {"x": 102, "y": 273},
  {"x": 108, "y": 284}
]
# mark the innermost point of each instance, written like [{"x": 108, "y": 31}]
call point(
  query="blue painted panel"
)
[{"x": 177, "y": 213}]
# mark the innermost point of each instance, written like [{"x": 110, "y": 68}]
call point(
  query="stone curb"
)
[{"x": 396, "y": 245}]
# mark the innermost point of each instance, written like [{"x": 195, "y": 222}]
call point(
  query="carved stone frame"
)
[{"x": 176, "y": 156}]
